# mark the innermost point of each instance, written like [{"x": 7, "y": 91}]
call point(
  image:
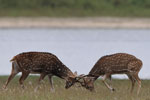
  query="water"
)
[{"x": 78, "y": 49}]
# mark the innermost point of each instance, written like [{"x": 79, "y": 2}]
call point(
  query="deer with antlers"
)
[
  {"x": 120, "y": 63},
  {"x": 40, "y": 63}
]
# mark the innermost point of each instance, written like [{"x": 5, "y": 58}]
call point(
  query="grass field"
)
[{"x": 14, "y": 91}]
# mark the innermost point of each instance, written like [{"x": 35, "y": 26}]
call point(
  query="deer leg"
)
[
  {"x": 12, "y": 75},
  {"x": 132, "y": 80},
  {"x": 9, "y": 79},
  {"x": 22, "y": 78},
  {"x": 51, "y": 83},
  {"x": 110, "y": 79},
  {"x": 42, "y": 76},
  {"x": 106, "y": 84},
  {"x": 138, "y": 81}
]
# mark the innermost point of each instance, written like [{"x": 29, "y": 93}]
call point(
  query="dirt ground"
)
[{"x": 96, "y": 22}]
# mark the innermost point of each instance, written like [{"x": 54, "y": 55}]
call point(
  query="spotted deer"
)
[
  {"x": 120, "y": 63},
  {"x": 40, "y": 63}
]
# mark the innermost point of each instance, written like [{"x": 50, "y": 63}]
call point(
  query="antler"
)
[{"x": 78, "y": 78}]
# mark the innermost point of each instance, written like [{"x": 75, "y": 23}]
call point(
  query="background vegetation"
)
[
  {"x": 14, "y": 91},
  {"x": 75, "y": 8}
]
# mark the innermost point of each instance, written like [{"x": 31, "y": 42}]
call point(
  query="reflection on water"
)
[{"x": 79, "y": 49}]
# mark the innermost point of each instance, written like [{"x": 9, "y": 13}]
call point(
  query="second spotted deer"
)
[
  {"x": 120, "y": 63},
  {"x": 41, "y": 63}
]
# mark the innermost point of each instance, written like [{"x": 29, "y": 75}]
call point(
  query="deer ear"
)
[{"x": 75, "y": 73}]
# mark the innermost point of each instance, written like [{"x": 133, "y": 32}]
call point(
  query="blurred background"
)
[
  {"x": 78, "y": 32},
  {"x": 75, "y": 8}
]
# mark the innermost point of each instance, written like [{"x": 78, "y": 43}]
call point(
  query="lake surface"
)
[{"x": 78, "y": 49}]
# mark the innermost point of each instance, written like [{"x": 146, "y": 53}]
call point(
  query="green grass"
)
[
  {"x": 14, "y": 91},
  {"x": 75, "y": 8}
]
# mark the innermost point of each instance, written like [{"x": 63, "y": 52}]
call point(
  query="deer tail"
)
[{"x": 13, "y": 59}]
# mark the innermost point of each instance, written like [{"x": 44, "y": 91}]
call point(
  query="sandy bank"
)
[{"x": 102, "y": 22}]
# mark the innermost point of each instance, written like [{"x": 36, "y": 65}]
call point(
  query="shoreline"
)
[{"x": 87, "y": 22}]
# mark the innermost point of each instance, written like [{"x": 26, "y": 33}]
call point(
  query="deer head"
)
[
  {"x": 86, "y": 81},
  {"x": 71, "y": 80}
]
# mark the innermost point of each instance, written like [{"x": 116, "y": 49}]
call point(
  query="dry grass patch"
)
[{"x": 14, "y": 91}]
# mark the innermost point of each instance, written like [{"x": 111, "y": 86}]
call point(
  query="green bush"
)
[{"x": 62, "y": 8}]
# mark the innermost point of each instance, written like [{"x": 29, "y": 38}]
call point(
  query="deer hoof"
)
[
  {"x": 4, "y": 88},
  {"x": 113, "y": 90},
  {"x": 52, "y": 90}
]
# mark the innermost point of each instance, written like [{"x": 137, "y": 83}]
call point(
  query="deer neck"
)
[
  {"x": 93, "y": 75},
  {"x": 64, "y": 72}
]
